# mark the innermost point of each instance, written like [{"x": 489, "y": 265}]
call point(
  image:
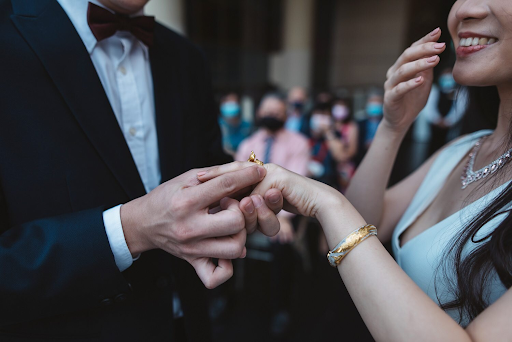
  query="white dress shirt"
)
[{"x": 122, "y": 64}]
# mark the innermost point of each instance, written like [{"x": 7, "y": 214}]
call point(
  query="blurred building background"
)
[{"x": 257, "y": 45}]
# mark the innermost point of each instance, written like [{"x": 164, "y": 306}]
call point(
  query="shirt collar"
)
[{"x": 77, "y": 13}]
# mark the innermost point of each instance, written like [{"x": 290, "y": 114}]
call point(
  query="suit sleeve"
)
[{"x": 56, "y": 265}]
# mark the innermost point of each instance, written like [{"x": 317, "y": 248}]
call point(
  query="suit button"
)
[
  {"x": 106, "y": 302},
  {"x": 162, "y": 282},
  {"x": 120, "y": 298}
]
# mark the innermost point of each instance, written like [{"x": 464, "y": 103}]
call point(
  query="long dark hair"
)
[{"x": 494, "y": 251}]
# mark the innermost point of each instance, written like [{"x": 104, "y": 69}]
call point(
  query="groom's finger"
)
[
  {"x": 216, "y": 171},
  {"x": 213, "y": 275},
  {"x": 267, "y": 219},
  {"x": 250, "y": 214},
  {"x": 226, "y": 185}
]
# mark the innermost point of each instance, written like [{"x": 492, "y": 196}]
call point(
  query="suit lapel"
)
[
  {"x": 52, "y": 36},
  {"x": 168, "y": 105}
]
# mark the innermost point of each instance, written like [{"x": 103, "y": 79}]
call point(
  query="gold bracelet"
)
[{"x": 349, "y": 243}]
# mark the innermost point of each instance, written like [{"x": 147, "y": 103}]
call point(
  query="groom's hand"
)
[
  {"x": 259, "y": 211},
  {"x": 176, "y": 217}
]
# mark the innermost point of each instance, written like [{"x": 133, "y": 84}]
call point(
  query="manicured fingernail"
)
[
  {"x": 439, "y": 45},
  {"x": 432, "y": 59},
  {"x": 249, "y": 207},
  {"x": 274, "y": 198},
  {"x": 419, "y": 79},
  {"x": 201, "y": 174},
  {"x": 433, "y": 33},
  {"x": 257, "y": 200}
]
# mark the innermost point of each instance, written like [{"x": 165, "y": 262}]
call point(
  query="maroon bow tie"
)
[{"x": 105, "y": 24}]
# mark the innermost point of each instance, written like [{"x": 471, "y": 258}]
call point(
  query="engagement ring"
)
[{"x": 252, "y": 159}]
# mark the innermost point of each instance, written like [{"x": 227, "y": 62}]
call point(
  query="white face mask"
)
[
  {"x": 319, "y": 122},
  {"x": 340, "y": 112}
]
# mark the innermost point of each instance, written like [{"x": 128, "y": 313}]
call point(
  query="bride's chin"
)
[{"x": 468, "y": 78}]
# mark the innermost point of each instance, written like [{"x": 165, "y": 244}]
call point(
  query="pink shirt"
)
[{"x": 289, "y": 149}]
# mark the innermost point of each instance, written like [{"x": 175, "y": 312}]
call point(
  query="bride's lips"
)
[{"x": 470, "y": 42}]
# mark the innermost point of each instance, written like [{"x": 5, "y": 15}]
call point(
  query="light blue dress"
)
[{"x": 421, "y": 256}]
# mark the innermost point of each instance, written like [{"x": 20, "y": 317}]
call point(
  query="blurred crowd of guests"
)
[
  {"x": 318, "y": 137},
  {"x": 323, "y": 137}
]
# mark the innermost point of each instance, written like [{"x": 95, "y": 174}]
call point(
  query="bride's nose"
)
[{"x": 472, "y": 10}]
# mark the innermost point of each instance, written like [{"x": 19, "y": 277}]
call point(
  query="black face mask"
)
[
  {"x": 299, "y": 106},
  {"x": 271, "y": 123}
]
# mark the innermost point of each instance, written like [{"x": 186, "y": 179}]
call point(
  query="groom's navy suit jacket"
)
[{"x": 64, "y": 160}]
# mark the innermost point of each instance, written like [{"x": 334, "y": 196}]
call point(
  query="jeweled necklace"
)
[{"x": 469, "y": 176}]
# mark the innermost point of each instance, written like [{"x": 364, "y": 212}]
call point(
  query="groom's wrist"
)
[{"x": 132, "y": 222}]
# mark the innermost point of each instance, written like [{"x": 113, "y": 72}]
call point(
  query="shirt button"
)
[
  {"x": 133, "y": 131},
  {"x": 122, "y": 69}
]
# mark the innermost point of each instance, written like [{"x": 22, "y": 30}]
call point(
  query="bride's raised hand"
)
[{"x": 409, "y": 81}]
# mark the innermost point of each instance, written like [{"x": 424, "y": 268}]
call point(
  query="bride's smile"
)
[{"x": 481, "y": 32}]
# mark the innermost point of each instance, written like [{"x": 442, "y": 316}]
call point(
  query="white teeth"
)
[{"x": 465, "y": 42}]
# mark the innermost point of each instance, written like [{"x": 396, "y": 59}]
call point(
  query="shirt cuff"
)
[{"x": 115, "y": 235}]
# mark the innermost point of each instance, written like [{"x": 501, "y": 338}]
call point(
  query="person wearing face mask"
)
[
  {"x": 297, "y": 98},
  {"x": 234, "y": 128},
  {"x": 445, "y": 108},
  {"x": 273, "y": 143},
  {"x": 374, "y": 112},
  {"x": 349, "y": 136},
  {"x": 327, "y": 148}
]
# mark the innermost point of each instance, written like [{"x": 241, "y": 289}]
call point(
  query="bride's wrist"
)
[
  {"x": 338, "y": 218},
  {"x": 393, "y": 131}
]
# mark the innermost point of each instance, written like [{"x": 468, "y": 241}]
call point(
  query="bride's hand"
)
[
  {"x": 409, "y": 82},
  {"x": 303, "y": 196}
]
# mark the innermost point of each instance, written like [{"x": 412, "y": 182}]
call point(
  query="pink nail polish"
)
[
  {"x": 439, "y": 45},
  {"x": 419, "y": 79},
  {"x": 201, "y": 174},
  {"x": 433, "y": 33},
  {"x": 432, "y": 59}
]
